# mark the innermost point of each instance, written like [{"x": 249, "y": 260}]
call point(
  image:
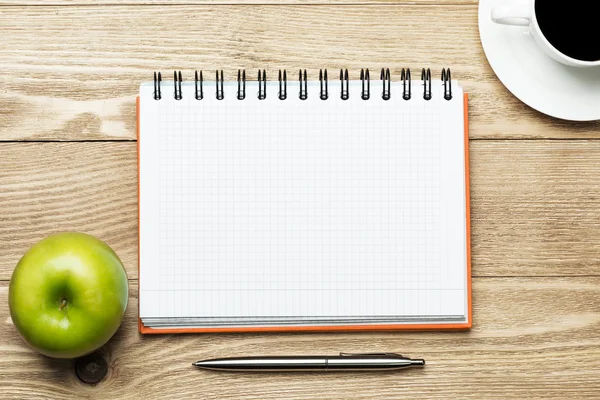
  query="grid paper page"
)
[{"x": 309, "y": 209}]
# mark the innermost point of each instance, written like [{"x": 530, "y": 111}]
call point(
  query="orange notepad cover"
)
[{"x": 421, "y": 327}]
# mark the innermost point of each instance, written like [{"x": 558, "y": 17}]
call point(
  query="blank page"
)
[{"x": 314, "y": 210}]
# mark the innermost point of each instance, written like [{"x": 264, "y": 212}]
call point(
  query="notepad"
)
[{"x": 261, "y": 210}]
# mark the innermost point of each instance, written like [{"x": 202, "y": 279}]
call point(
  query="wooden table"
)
[{"x": 69, "y": 74}]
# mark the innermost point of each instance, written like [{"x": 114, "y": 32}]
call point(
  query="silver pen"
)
[{"x": 343, "y": 362}]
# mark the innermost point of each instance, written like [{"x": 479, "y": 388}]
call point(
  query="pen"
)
[{"x": 343, "y": 362}]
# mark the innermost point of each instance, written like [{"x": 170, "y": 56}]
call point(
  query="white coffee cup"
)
[{"x": 523, "y": 14}]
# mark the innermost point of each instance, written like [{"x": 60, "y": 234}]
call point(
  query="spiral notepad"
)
[{"x": 299, "y": 204}]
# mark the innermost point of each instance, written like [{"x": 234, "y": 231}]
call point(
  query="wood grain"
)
[
  {"x": 72, "y": 73},
  {"x": 535, "y": 204},
  {"x": 166, "y": 3},
  {"x": 533, "y": 338},
  {"x": 52, "y": 187}
]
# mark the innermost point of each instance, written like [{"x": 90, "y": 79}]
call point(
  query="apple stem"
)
[{"x": 63, "y": 304}]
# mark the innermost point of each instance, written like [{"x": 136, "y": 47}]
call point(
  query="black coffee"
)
[{"x": 572, "y": 27}]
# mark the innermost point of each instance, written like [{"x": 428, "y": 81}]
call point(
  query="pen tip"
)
[{"x": 417, "y": 363}]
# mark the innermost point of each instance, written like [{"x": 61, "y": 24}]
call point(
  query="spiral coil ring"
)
[
  {"x": 198, "y": 94},
  {"x": 262, "y": 85},
  {"x": 177, "y": 86},
  {"x": 157, "y": 79},
  {"x": 447, "y": 79},
  {"x": 406, "y": 89},
  {"x": 241, "y": 85},
  {"x": 386, "y": 93},
  {"x": 324, "y": 95},
  {"x": 282, "y": 86},
  {"x": 219, "y": 84},
  {"x": 303, "y": 86},
  {"x": 345, "y": 89},
  {"x": 365, "y": 94},
  {"x": 426, "y": 78}
]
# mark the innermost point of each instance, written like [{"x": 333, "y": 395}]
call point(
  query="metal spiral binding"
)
[
  {"x": 241, "y": 82},
  {"x": 177, "y": 86},
  {"x": 199, "y": 94},
  {"x": 219, "y": 84},
  {"x": 324, "y": 92},
  {"x": 426, "y": 78},
  {"x": 262, "y": 85},
  {"x": 386, "y": 78},
  {"x": 364, "y": 76},
  {"x": 303, "y": 90},
  {"x": 345, "y": 90},
  {"x": 282, "y": 86},
  {"x": 447, "y": 79},
  {"x": 157, "y": 79},
  {"x": 405, "y": 76}
]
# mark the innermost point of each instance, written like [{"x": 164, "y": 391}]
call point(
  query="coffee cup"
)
[{"x": 563, "y": 30}]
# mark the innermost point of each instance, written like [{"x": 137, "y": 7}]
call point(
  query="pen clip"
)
[{"x": 370, "y": 354}]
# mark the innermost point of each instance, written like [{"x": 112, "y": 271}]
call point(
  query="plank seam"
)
[{"x": 385, "y": 3}]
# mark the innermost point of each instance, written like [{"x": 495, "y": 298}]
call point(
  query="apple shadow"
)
[
  {"x": 62, "y": 368},
  {"x": 95, "y": 367}
]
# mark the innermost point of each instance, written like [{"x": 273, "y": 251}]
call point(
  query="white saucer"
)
[{"x": 537, "y": 80}]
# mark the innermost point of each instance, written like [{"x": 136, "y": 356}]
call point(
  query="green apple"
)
[{"x": 67, "y": 295}]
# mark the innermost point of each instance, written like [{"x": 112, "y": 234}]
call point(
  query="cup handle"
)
[{"x": 516, "y": 14}]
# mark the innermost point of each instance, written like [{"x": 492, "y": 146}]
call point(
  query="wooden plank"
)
[
  {"x": 533, "y": 338},
  {"x": 53, "y": 187},
  {"x": 535, "y": 204},
  {"x": 535, "y": 207},
  {"x": 72, "y": 73},
  {"x": 166, "y": 3}
]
